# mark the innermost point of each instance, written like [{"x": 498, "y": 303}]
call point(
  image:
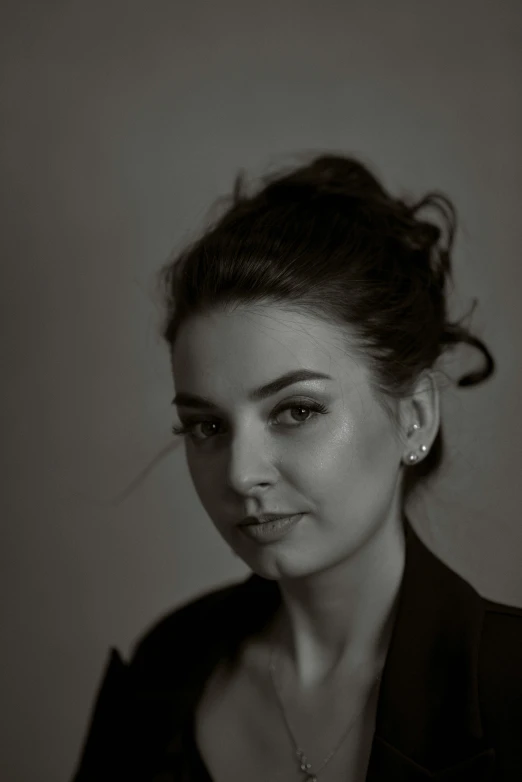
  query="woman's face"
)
[{"x": 322, "y": 447}]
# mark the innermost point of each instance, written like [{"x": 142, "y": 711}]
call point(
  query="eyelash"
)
[{"x": 315, "y": 407}]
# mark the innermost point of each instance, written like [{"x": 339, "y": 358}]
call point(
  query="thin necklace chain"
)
[{"x": 304, "y": 764}]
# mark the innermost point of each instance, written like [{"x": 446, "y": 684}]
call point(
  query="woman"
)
[{"x": 304, "y": 330}]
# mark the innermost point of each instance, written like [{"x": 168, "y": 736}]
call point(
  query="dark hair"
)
[{"x": 327, "y": 239}]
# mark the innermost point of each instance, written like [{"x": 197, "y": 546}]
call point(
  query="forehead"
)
[{"x": 248, "y": 345}]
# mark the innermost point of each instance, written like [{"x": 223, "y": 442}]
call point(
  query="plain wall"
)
[{"x": 122, "y": 122}]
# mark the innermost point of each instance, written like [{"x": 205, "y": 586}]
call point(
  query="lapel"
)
[{"x": 428, "y": 724}]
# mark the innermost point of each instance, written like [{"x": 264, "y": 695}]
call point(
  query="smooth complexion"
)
[{"x": 340, "y": 568}]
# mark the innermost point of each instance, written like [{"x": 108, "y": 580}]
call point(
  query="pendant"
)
[{"x": 305, "y": 765}]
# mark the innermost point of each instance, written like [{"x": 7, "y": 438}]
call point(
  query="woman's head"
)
[{"x": 322, "y": 269}]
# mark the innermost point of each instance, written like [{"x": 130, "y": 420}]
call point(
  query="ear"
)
[{"x": 421, "y": 407}]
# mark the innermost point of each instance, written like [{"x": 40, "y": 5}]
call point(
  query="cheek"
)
[
  {"x": 329, "y": 466},
  {"x": 375, "y": 449},
  {"x": 357, "y": 458}
]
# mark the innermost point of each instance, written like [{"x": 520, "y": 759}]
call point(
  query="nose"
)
[{"x": 251, "y": 464}]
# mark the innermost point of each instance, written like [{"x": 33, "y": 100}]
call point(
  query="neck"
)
[{"x": 344, "y": 614}]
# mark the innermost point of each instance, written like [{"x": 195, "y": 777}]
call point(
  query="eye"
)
[
  {"x": 189, "y": 427},
  {"x": 307, "y": 407},
  {"x": 314, "y": 408}
]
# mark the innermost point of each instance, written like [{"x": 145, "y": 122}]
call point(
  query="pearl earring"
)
[{"x": 413, "y": 457}]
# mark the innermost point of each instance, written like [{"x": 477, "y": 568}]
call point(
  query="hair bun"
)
[{"x": 327, "y": 174}]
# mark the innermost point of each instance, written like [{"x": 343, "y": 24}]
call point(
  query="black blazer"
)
[{"x": 450, "y": 699}]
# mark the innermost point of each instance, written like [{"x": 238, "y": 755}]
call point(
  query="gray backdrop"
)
[{"x": 121, "y": 123}]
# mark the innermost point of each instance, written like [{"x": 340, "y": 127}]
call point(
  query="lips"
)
[{"x": 265, "y": 517}]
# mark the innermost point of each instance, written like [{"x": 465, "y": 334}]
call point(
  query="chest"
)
[{"x": 241, "y": 732}]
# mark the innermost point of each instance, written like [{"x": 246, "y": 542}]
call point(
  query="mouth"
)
[
  {"x": 264, "y": 518},
  {"x": 272, "y": 530}
]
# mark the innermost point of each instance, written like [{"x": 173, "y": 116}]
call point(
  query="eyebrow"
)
[{"x": 183, "y": 399}]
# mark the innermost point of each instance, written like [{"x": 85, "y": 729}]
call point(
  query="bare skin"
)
[
  {"x": 339, "y": 570},
  {"x": 241, "y": 734}
]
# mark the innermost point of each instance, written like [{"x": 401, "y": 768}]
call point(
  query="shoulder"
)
[
  {"x": 501, "y": 640},
  {"x": 501, "y": 629},
  {"x": 500, "y": 678},
  {"x": 194, "y": 627},
  {"x": 491, "y": 607},
  {"x": 133, "y": 705},
  {"x": 180, "y": 650}
]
